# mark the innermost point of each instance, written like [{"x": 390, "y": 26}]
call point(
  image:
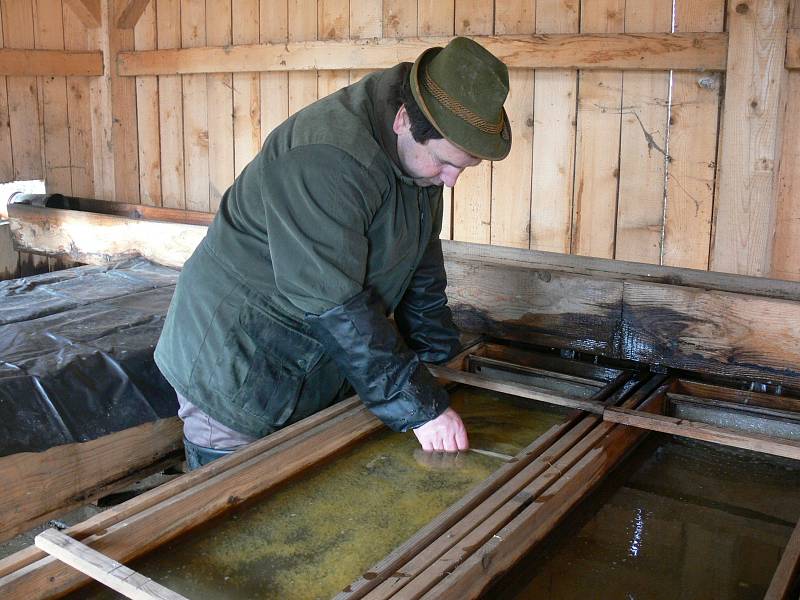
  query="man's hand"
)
[{"x": 445, "y": 432}]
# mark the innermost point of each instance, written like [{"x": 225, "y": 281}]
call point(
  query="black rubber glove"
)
[
  {"x": 423, "y": 317},
  {"x": 387, "y": 375}
]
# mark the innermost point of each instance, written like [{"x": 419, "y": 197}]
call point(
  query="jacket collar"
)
[{"x": 384, "y": 108}]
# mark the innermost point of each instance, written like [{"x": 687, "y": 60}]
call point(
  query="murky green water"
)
[
  {"x": 319, "y": 533},
  {"x": 681, "y": 520}
]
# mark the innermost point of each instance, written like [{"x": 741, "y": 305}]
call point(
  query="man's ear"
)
[{"x": 402, "y": 124}]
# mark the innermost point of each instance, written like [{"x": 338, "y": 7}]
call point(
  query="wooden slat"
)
[
  {"x": 246, "y": 88},
  {"x": 220, "y": 90},
  {"x": 787, "y": 572},
  {"x": 643, "y": 145},
  {"x": 88, "y": 11},
  {"x": 274, "y": 86},
  {"x": 130, "y": 13},
  {"x": 23, "y": 106},
  {"x": 366, "y": 21},
  {"x": 511, "y": 177},
  {"x": 656, "y": 51},
  {"x": 44, "y": 63},
  {"x": 472, "y": 195},
  {"x": 715, "y": 332},
  {"x": 399, "y": 18},
  {"x": 793, "y": 46},
  {"x": 334, "y": 24},
  {"x": 6, "y": 159},
  {"x": 744, "y": 209},
  {"x": 102, "y": 568},
  {"x": 170, "y": 109},
  {"x": 195, "y": 112},
  {"x": 158, "y": 524},
  {"x": 70, "y": 472},
  {"x": 746, "y": 398},
  {"x": 302, "y": 27},
  {"x": 597, "y": 153},
  {"x": 146, "y": 38},
  {"x": 692, "y": 147},
  {"x": 554, "y": 113}
]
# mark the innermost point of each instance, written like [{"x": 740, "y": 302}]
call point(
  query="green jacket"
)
[{"x": 322, "y": 212}]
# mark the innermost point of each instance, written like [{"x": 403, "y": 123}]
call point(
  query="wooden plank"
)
[
  {"x": 714, "y": 332},
  {"x": 692, "y": 147},
  {"x": 220, "y": 90},
  {"x": 334, "y": 24},
  {"x": 49, "y": 63},
  {"x": 515, "y": 389},
  {"x": 707, "y": 433},
  {"x": 6, "y": 158},
  {"x": 9, "y": 258},
  {"x": 744, "y": 209},
  {"x": 170, "y": 109},
  {"x": 643, "y": 145},
  {"x": 302, "y": 27},
  {"x": 591, "y": 51},
  {"x": 63, "y": 232},
  {"x": 554, "y": 113},
  {"x": 540, "y": 307},
  {"x": 472, "y": 195},
  {"x": 88, "y": 11},
  {"x": 130, "y": 13},
  {"x": 399, "y": 18},
  {"x": 274, "y": 86},
  {"x": 511, "y": 177},
  {"x": 102, "y": 568},
  {"x": 116, "y": 514},
  {"x": 246, "y": 88},
  {"x": 597, "y": 145},
  {"x": 158, "y": 524},
  {"x": 366, "y": 21},
  {"x": 743, "y": 397},
  {"x": 23, "y": 106},
  {"x": 79, "y": 109},
  {"x": 195, "y": 112},
  {"x": 793, "y": 46},
  {"x": 146, "y": 38},
  {"x": 788, "y": 568},
  {"x": 49, "y": 34},
  {"x": 71, "y": 472}
]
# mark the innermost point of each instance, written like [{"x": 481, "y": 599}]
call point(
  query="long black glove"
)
[
  {"x": 423, "y": 316},
  {"x": 388, "y": 376}
]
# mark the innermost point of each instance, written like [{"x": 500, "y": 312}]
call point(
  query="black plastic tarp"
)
[{"x": 76, "y": 354}]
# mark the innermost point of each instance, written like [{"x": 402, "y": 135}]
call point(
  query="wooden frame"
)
[{"x": 47, "y": 63}]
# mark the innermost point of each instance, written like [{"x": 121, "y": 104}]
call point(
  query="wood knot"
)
[{"x": 742, "y": 8}]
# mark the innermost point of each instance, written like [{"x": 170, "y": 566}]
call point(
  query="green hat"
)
[{"x": 461, "y": 89}]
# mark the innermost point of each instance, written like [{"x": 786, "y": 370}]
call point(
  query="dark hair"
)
[{"x": 421, "y": 128}]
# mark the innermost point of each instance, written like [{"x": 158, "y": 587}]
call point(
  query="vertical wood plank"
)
[
  {"x": 23, "y": 104},
  {"x": 274, "y": 26},
  {"x": 436, "y": 19},
  {"x": 511, "y": 177},
  {"x": 79, "y": 109},
  {"x": 246, "y": 88},
  {"x": 49, "y": 35},
  {"x": 399, "y": 18},
  {"x": 302, "y": 27},
  {"x": 597, "y": 153},
  {"x": 170, "y": 109},
  {"x": 643, "y": 146},
  {"x": 145, "y": 38},
  {"x": 366, "y": 21},
  {"x": 744, "y": 212},
  {"x": 195, "y": 112},
  {"x": 220, "y": 103},
  {"x": 6, "y": 160},
  {"x": 554, "y": 113},
  {"x": 786, "y": 249},
  {"x": 692, "y": 147},
  {"x": 472, "y": 195},
  {"x": 99, "y": 99},
  {"x": 334, "y": 24}
]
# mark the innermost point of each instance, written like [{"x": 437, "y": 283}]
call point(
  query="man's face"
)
[{"x": 434, "y": 162}]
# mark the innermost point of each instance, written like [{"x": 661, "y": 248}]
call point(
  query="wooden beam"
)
[
  {"x": 88, "y": 11},
  {"x": 72, "y": 472},
  {"x": 793, "y": 49},
  {"x": 102, "y": 568},
  {"x": 651, "y": 51},
  {"x": 704, "y": 432},
  {"x": 130, "y": 13},
  {"x": 788, "y": 569}
]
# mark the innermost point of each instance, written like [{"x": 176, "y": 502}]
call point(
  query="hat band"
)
[{"x": 461, "y": 111}]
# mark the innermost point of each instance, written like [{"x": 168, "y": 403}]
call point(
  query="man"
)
[{"x": 331, "y": 228}]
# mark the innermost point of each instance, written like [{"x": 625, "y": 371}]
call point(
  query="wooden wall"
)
[{"x": 695, "y": 169}]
